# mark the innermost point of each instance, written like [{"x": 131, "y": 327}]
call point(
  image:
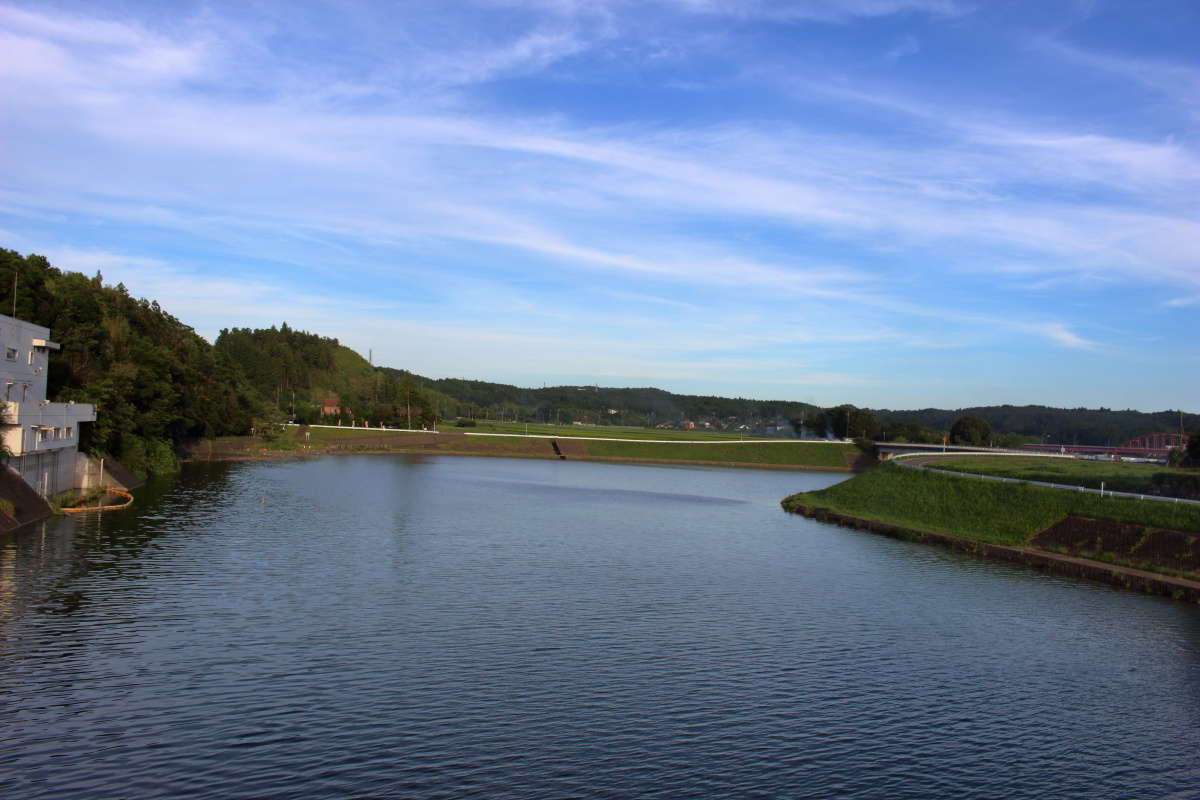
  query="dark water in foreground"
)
[{"x": 397, "y": 627}]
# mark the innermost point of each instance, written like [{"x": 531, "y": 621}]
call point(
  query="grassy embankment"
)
[
  {"x": 603, "y": 431},
  {"x": 807, "y": 454},
  {"x": 454, "y": 441},
  {"x": 987, "y": 511},
  {"x": 1116, "y": 476}
]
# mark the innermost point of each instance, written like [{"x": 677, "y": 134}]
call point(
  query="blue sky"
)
[{"x": 894, "y": 203}]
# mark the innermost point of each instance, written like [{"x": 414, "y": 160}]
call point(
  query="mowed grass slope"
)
[
  {"x": 603, "y": 431},
  {"x": 1116, "y": 476},
  {"x": 777, "y": 453},
  {"x": 1001, "y": 513},
  {"x": 782, "y": 453}
]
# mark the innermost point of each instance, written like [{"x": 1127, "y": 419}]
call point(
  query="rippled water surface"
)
[{"x": 399, "y": 627}]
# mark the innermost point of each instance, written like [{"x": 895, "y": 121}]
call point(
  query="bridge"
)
[
  {"x": 887, "y": 450},
  {"x": 1150, "y": 445},
  {"x": 1153, "y": 445}
]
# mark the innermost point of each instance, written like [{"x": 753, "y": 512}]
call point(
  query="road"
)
[{"x": 922, "y": 462}]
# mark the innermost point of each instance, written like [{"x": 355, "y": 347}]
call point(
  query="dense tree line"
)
[
  {"x": 297, "y": 372},
  {"x": 1082, "y": 426},
  {"x": 1189, "y": 454},
  {"x": 278, "y": 361},
  {"x": 971, "y": 431},
  {"x": 595, "y": 404},
  {"x": 154, "y": 381},
  {"x": 850, "y": 422}
]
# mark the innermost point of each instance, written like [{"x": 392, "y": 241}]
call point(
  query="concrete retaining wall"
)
[
  {"x": 27, "y": 505},
  {"x": 115, "y": 475}
]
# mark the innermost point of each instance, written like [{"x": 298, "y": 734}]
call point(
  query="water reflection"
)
[
  {"x": 440, "y": 627},
  {"x": 42, "y": 564}
]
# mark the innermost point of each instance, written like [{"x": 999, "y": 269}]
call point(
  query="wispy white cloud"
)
[
  {"x": 71, "y": 28},
  {"x": 906, "y": 46},
  {"x": 1183, "y": 302},
  {"x": 399, "y": 170},
  {"x": 837, "y": 10},
  {"x": 818, "y": 10},
  {"x": 1178, "y": 81},
  {"x": 1061, "y": 334}
]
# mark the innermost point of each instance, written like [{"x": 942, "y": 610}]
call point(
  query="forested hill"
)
[
  {"x": 298, "y": 372},
  {"x": 280, "y": 362},
  {"x": 618, "y": 406},
  {"x": 154, "y": 381},
  {"x": 1087, "y": 426}
]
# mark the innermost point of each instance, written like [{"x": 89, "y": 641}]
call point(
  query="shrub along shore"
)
[{"x": 1001, "y": 520}]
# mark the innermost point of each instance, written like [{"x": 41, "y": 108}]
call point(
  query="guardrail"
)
[{"x": 1066, "y": 486}]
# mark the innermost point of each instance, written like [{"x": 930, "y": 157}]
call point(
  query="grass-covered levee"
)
[{"x": 988, "y": 511}]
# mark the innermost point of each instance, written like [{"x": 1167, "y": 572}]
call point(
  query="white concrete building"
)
[{"x": 42, "y": 438}]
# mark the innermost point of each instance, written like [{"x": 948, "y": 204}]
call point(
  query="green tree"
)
[
  {"x": 850, "y": 422},
  {"x": 971, "y": 431},
  {"x": 1013, "y": 441},
  {"x": 154, "y": 381},
  {"x": 910, "y": 432},
  {"x": 1191, "y": 453}
]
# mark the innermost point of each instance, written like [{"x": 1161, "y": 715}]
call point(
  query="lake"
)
[{"x": 440, "y": 627}]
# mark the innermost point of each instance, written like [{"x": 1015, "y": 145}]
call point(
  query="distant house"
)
[
  {"x": 688, "y": 426},
  {"x": 42, "y": 438},
  {"x": 330, "y": 407}
]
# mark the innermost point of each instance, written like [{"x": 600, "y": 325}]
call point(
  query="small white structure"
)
[{"x": 41, "y": 437}]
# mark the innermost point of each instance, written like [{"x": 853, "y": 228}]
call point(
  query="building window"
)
[
  {"x": 11, "y": 353},
  {"x": 8, "y": 391},
  {"x": 24, "y": 392},
  {"x": 31, "y": 354},
  {"x": 70, "y": 433}
]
